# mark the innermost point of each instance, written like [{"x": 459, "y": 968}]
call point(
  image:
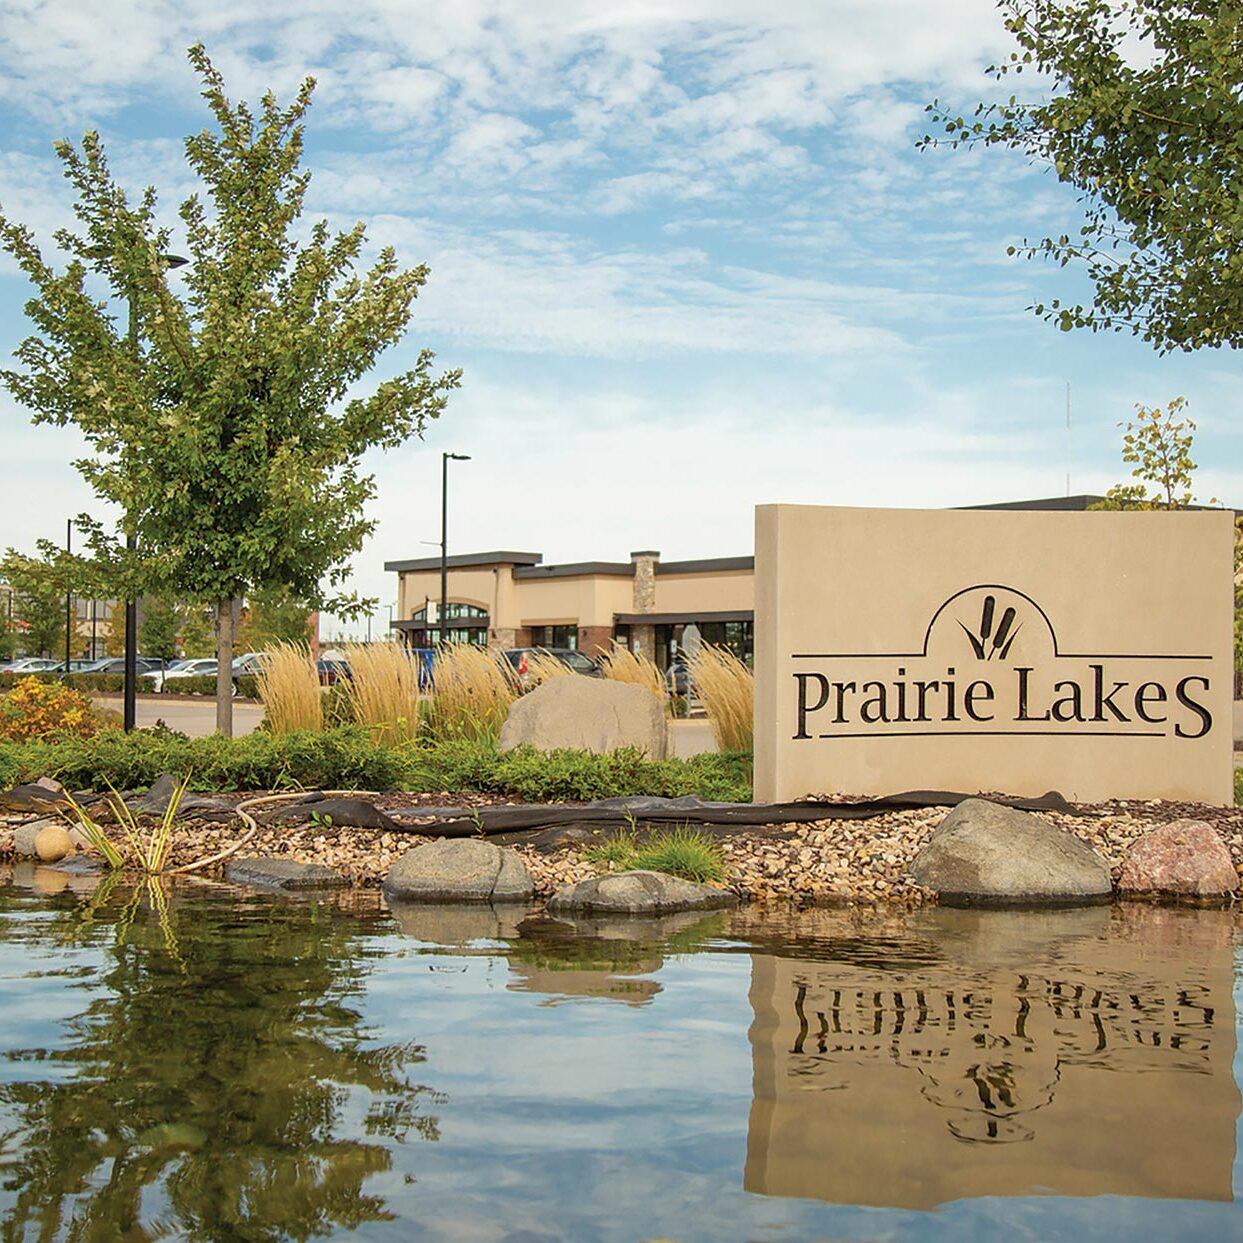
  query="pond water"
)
[{"x": 191, "y": 1063}]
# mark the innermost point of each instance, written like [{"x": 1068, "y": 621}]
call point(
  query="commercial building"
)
[{"x": 512, "y": 599}]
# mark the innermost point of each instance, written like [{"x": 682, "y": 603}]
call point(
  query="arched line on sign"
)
[{"x": 992, "y": 587}]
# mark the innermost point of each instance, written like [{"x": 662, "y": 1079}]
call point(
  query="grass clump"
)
[
  {"x": 471, "y": 694},
  {"x": 622, "y": 665},
  {"x": 288, "y": 684},
  {"x": 681, "y": 851},
  {"x": 147, "y": 848},
  {"x": 541, "y": 666},
  {"x": 726, "y": 688},
  {"x": 383, "y": 692}
]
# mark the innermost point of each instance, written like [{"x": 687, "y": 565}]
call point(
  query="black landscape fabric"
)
[{"x": 476, "y": 821}]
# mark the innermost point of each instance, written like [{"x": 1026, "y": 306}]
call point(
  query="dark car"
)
[
  {"x": 519, "y": 660},
  {"x": 333, "y": 671}
]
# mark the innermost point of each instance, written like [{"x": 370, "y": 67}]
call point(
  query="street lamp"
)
[{"x": 444, "y": 534}]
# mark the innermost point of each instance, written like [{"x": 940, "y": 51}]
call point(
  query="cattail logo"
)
[{"x": 990, "y": 642}]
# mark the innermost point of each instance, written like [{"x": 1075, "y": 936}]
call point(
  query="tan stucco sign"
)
[{"x": 999, "y": 651}]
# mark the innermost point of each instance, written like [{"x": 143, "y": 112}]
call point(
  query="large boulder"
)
[
  {"x": 587, "y": 714},
  {"x": 1183, "y": 859},
  {"x": 639, "y": 893},
  {"x": 988, "y": 855},
  {"x": 463, "y": 869}
]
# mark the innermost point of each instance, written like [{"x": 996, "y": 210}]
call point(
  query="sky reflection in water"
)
[{"x": 267, "y": 1068}]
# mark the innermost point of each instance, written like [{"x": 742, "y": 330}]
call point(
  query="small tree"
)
[
  {"x": 1158, "y": 443},
  {"x": 39, "y": 587},
  {"x": 224, "y": 422}
]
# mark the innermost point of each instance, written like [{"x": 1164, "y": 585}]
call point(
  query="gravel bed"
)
[{"x": 827, "y": 861}]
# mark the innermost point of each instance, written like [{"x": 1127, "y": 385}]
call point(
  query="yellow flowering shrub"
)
[{"x": 36, "y": 709}]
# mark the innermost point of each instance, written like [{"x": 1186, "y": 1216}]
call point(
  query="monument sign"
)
[{"x": 1007, "y": 651}]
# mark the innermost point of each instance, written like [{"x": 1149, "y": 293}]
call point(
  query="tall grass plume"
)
[
  {"x": 471, "y": 693},
  {"x": 726, "y": 688},
  {"x": 289, "y": 687},
  {"x": 623, "y": 665},
  {"x": 383, "y": 690}
]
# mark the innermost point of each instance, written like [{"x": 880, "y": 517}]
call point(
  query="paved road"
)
[{"x": 190, "y": 715}]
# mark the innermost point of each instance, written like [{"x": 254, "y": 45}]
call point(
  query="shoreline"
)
[{"x": 824, "y": 862}]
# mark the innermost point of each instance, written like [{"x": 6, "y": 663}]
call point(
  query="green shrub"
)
[
  {"x": 247, "y": 686},
  {"x": 100, "y": 683},
  {"x": 345, "y": 757}
]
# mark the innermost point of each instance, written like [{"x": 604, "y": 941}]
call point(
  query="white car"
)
[
  {"x": 201, "y": 667},
  {"x": 30, "y": 664}
]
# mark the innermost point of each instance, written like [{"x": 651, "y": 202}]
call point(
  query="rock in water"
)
[
  {"x": 1182, "y": 859},
  {"x": 282, "y": 874},
  {"x": 587, "y": 714},
  {"x": 460, "y": 870},
  {"x": 988, "y": 855},
  {"x": 639, "y": 893},
  {"x": 52, "y": 843}
]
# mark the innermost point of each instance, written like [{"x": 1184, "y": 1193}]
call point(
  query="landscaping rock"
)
[
  {"x": 156, "y": 800},
  {"x": 52, "y": 843},
  {"x": 32, "y": 798},
  {"x": 282, "y": 874},
  {"x": 460, "y": 870},
  {"x": 1182, "y": 859},
  {"x": 986, "y": 854},
  {"x": 24, "y": 836},
  {"x": 639, "y": 893},
  {"x": 587, "y": 714}
]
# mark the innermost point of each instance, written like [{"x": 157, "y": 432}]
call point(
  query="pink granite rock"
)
[{"x": 1184, "y": 858}]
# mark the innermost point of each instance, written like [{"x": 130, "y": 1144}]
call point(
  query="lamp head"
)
[{"x": 458, "y": 457}]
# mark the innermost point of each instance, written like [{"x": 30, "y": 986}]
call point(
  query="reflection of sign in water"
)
[
  {"x": 900, "y": 649},
  {"x": 914, "y": 1086}
]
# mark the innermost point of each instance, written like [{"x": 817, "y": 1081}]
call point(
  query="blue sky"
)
[{"x": 685, "y": 252}]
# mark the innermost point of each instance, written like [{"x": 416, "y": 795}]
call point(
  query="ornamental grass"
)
[
  {"x": 726, "y": 688},
  {"x": 623, "y": 665},
  {"x": 471, "y": 693},
  {"x": 540, "y": 666},
  {"x": 289, "y": 687},
  {"x": 383, "y": 690}
]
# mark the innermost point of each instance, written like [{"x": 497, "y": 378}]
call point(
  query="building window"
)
[{"x": 555, "y": 636}]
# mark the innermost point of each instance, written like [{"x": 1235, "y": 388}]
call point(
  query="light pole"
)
[
  {"x": 68, "y": 597},
  {"x": 444, "y": 534}
]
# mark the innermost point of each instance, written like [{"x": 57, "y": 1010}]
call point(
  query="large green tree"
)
[
  {"x": 1139, "y": 106},
  {"x": 224, "y": 416}
]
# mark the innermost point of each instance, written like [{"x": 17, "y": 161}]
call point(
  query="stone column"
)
[{"x": 643, "y": 637}]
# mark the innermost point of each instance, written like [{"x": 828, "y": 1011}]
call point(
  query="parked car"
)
[
  {"x": 75, "y": 666},
  {"x": 116, "y": 664},
  {"x": 677, "y": 676},
  {"x": 200, "y": 667},
  {"x": 333, "y": 671},
  {"x": 248, "y": 663},
  {"x": 519, "y": 660},
  {"x": 31, "y": 664}
]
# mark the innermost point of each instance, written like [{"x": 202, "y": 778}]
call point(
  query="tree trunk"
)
[{"x": 224, "y": 667}]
